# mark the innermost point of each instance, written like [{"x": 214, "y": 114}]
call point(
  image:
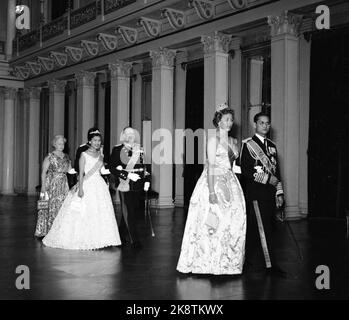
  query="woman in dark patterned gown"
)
[{"x": 54, "y": 182}]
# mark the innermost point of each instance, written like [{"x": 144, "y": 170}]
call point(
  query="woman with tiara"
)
[
  {"x": 86, "y": 220},
  {"x": 214, "y": 235}
]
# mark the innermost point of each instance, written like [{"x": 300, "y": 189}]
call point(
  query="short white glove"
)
[
  {"x": 146, "y": 186},
  {"x": 72, "y": 171},
  {"x": 105, "y": 171},
  {"x": 133, "y": 176}
]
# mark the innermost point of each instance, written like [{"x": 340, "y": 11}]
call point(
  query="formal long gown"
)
[
  {"x": 222, "y": 251},
  {"x": 57, "y": 189},
  {"x": 89, "y": 222}
]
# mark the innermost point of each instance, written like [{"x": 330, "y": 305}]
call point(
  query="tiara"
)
[
  {"x": 221, "y": 107},
  {"x": 96, "y": 131}
]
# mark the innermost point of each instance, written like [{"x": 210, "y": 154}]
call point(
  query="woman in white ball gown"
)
[
  {"x": 214, "y": 235},
  {"x": 86, "y": 220}
]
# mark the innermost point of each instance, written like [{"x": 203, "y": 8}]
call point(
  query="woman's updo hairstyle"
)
[
  {"x": 94, "y": 133},
  {"x": 221, "y": 110}
]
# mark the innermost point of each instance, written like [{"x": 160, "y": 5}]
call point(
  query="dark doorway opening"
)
[
  {"x": 194, "y": 119},
  {"x": 328, "y": 151}
]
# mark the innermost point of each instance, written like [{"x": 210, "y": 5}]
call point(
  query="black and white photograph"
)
[{"x": 174, "y": 156}]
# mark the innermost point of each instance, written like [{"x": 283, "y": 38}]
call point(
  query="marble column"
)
[
  {"x": 56, "y": 108},
  {"x": 11, "y": 28},
  {"x": 85, "y": 104},
  {"x": 179, "y": 111},
  {"x": 72, "y": 126},
  {"x": 162, "y": 124},
  {"x": 101, "y": 101},
  {"x": 32, "y": 96},
  {"x": 8, "y": 141},
  {"x": 235, "y": 99},
  {"x": 304, "y": 94},
  {"x": 216, "y": 83},
  {"x": 255, "y": 94},
  {"x": 119, "y": 99},
  {"x": 285, "y": 113},
  {"x": 137, "y": 98}
]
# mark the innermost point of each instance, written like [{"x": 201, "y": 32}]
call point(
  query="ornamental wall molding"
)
[
  {"x": 151, "y": 27},
  {"x": 23, "y": 71},
  {"x": 74, "y": 53},
  {"x": 176, "y": 18},
  {"x": 204, "y": 8},
  {"x": 91, "y": 47},
  {"x": 47, "y": 63},
  {"x": 238, "y": 4},
  {"x": 59, "y": 58},
  {"x": 9, "y": 93},
  {"x": 109, "y": 41},
  {"x": 34, "y": 67},
  {"x": 128, "y": 34}
]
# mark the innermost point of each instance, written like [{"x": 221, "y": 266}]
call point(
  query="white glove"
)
[
  {"x": 133, "y": 176},
  {"x": 105, "y": 171},
  {"x": 146, "y": 186},
  {"x": 72, "y": 171}
]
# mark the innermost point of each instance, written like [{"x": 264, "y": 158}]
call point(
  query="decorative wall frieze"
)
[
  {"x": 32, "y": 93},
  {"x": 34, "y": 67},
  {"x": 23, "y": 71},
  {"x": 109, "y": 41},
  {"x": 59, "y": 58},
  {"x": 162, "y": 57},
  {"x": 176, "y": 18},
  {"x": 91, "y": 47},
  {"x": 151, "y": 27},
  {"x": 238, "y": 4},
  {"x": 119, "y": 69},
  {"x": 74, "y": 53},
  {"x": 219, "y": 42},
  {"x": 285, "y": 23},
  {"x": 129, "y": 35},
  {"x": 85, "y": 78},
  {"x": 47, "y": 63},
  {"x": 203, "y": 8},
  {"x": 56, "y": 86}
]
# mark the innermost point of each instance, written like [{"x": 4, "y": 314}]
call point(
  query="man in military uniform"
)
[
  {"x": 127, "y": 166},
  {"x": 263, "y": 192}
]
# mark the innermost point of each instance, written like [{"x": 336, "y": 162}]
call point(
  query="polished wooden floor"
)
[{"x": 149, "y": 273}]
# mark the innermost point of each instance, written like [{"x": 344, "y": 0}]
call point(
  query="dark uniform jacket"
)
[
  {"x": 119, "y": 157},
  {"x": 256, "y": 174}
]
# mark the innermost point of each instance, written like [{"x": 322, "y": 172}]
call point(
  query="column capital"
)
[
  {"x": 120, "y": 69},
  {"x": 163, "y": 57},
  {"x": 235, "y": 43},
  {"x": 32, "y": 93},
  {"x": 85, "y": 78},
  {"x": 219, "y": 42},
  {"x": 9, "y": 93},
  {"x": 57, "y": 86},
  {"x": 285, "y": 23}
]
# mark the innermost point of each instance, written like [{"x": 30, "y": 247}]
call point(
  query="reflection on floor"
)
[{"x": 150, "y": 272}]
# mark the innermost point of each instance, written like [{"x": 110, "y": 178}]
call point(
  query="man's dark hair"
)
[{"x": 260, "y": 114}]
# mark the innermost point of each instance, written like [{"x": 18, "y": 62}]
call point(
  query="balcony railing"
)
[{"x": 68, "y": 21}]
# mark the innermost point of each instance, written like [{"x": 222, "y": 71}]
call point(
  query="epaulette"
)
[{"x": 246, "y": 140}]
